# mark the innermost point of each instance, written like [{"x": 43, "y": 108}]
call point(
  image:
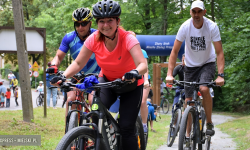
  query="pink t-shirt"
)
[{"x": 116, "y": 63}]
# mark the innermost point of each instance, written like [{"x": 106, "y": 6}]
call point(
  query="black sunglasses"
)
[{"x": 83, "y": 24}]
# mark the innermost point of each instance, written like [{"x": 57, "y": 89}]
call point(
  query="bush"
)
[{"x": 7, "y": 66}]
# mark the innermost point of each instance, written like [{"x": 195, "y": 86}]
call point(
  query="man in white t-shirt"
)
[{"x": 202, "y": 43}]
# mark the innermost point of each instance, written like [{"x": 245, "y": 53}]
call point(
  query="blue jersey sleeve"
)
[
  {"x": 65, "y": 44},
  {"x": 144, "y": 53}
]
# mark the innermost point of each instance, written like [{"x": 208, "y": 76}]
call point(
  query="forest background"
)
[{"x": 152, "y": 17}]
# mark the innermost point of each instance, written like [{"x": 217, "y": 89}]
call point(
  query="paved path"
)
[
  {"x": 34, "y": 96},
  {"x": 220, "y": 141}
]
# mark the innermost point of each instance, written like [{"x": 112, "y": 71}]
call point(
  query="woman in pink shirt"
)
[{"x": 119, "y": 55}]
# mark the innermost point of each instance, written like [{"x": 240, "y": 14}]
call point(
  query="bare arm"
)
[
  {"x": 79, "y": 63},
  {"x": 220, "y": 62},
  {"x": 58, "y": 58},
  {"x": 220, "y": 56},
  {"x": 140, "y": 63},
  {"x": 172, "y": 61}
]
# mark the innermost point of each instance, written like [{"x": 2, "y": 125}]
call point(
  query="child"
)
[
  {"x": 7, "y": 95},
  {"x": 16, "y": 95},
  {"x": 40, "y": 87},
  {"x": 2, "y": 99},
  {"x": 151, "y": 113}
]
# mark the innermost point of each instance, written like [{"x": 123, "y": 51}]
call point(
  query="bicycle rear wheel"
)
[
  {"x": 189, "y": 114},
  {"x": 140, "y": 134},
  {"x": 39, "y": 101},
  {"x": 82, "y": 138},
  {"x": 165, "y": 106},
  {"x": 207, "y": 142},
  {"x": 174, "y": 126}
]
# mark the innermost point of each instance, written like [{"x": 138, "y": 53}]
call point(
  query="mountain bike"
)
[
  {"x": 105, "y": 135},
  {"x": 164, "y": 104},
  {"x": 196, "y": 116},
  {"x": 40, "y": 99},
  {"x": 176, "y": 117}
]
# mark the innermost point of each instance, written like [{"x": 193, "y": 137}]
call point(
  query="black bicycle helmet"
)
[
  {"x": 82, "y": 14},
  {"x": 106, "y": 9}
]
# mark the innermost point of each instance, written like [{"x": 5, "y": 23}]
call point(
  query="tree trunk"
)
[
  {"x": 212, "y": 10},
  {"x": 147, "y": 15}
]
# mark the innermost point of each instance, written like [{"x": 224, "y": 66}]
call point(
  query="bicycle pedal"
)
[{"x": 210, "y": 132}]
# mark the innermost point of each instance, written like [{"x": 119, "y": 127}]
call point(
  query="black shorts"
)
[{"x": 205, "y": 73}]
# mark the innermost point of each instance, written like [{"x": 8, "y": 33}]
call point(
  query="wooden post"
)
[
  {"x": 158, "y": 83},
  {"x": 154, "y": 83},
  {"x": 22, "y": 56}
]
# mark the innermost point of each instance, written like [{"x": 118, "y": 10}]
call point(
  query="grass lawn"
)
[
  {"x": 51, "y": 128},
  {"x": 238, "y": 129}
]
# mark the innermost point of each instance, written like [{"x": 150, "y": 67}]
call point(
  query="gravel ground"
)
[{"x": 220, "y": 141}]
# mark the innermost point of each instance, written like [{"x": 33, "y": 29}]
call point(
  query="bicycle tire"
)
[
  {"x": 76, "y": 134},
  {"x": 73, "y": 121},
  {"x": 177, "y": 118},
  {"x": 39, "y": 101},
  {"x": 165, "y": 106},
  {"x": 182, "y": 134},
  {"x": 140, "y": 134}
]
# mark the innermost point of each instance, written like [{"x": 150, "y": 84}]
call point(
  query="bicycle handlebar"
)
[
  {"x": 118, "y": 83},
  {"x": 182, "y": 83}
]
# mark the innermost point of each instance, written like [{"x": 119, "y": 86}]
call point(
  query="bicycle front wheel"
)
[
  {"x": 203, "y": 135},
  {"x": 73, "y": 121},
  {"x": 165, "y": 106},
  {"x": 82, "y": 138},
  {"x": 174, "y": 127},
  {"x": 186, "y": 136}
]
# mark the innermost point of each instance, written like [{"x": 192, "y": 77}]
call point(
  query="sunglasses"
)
[{"x": 83, "y": 24}]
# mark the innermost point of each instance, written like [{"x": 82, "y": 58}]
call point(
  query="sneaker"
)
[
  {"x": 145, "y": 128},
  {"x": 210, "y": 129},
  {"x": 54, "y": 108}
]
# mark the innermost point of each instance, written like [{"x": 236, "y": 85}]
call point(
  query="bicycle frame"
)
[{"x": 99, "y": 110}]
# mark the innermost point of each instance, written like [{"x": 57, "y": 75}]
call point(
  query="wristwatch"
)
[{"x": 221, "y": 75}]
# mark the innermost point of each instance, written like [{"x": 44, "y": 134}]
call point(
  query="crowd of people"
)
[{"x": 5, "y": 92}]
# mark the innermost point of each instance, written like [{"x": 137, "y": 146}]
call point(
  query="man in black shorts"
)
[{"x": 202, "y": 40}]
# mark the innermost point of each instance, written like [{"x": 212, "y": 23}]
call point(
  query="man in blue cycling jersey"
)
[{"x": 74, "y": 41}]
